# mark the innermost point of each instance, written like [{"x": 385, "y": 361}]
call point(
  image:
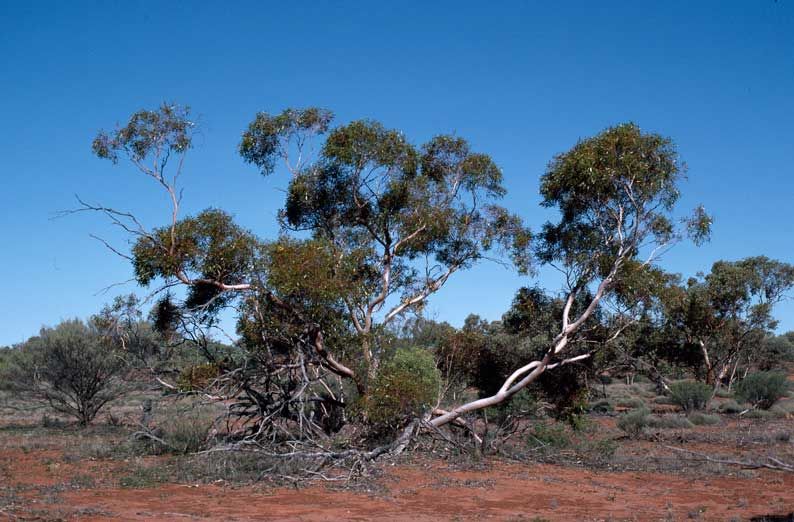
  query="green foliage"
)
[
  {"x": 703, "y": 419},
  {"x": 264, "y": 140},
  {"x": 634, "y": 422},
  {"x": 522, "y": 405},
  {"x": 208, "y": 246},
  {"x": 197, "y": 377},
  {"x": 731, "y": 406},
  {"x": 187, "y": 432},
  {"x": 405, "y": 387},
  {"x": 774, "y": 352},
  {"x": 669, "y": 422},
  {"x": 762, "y": 389},
  {"x": 690, "y": 395},
  {"x": 602, "y": 406},
  {"x": 726, "y": 314},
  {"x": 70, "y": 367},
  {"x": 621, "y": 167},
  {"x": 552, "y": 435},
  {"x": 143, "y": 476},
  {"x": 631, "y": 402},
  {"x": 148, "y": 133}
]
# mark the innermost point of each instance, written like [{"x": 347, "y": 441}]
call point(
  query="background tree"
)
[
  {"x": 70, "y": 367},
  {"x": 615, "y": 194},
  {"x": 726, "y": 315}
]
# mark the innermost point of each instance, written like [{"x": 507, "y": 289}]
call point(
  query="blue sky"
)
[{"x": 521, "y": 80}]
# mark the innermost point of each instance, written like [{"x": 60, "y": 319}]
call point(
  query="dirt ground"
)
[
  {"x": 57, "y": 473},
  {"x": 430, "y": 490}
]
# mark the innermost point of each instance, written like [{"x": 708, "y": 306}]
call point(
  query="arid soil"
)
[
  {"x": 424, "y": 490},
  {"x": 60, "y": 473}
]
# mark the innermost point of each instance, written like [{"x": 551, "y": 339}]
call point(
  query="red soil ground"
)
[{"x": 430, "y": 490}]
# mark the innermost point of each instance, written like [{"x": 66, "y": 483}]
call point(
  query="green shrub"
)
[
  {"x": 723, "y": 393},
  {"x": 762, "y": 414},
  {"x": 602, "y": 406},
  {"x": 197, "y": 377},
  {"x": 634, "y": 422},
  {"x": 604, "y": 449},
  {"x": 182, "y": 432},
  {"x": 703, "y": 419},
  {"x": 631, "y": 402},
  {"x": 669, "y": 422},
  {"x": 142, "y": 477},
  {"x": 604, "y": 379},
  {"x": 188, "y": 433},
  {"x": 406, "y": 386},
  {"x": 70, "y": 368},
  {"x": 762, "y": 389},
  {"x": 663, "y": 399},
  {"x": 786, "y": 406},
  {"x": 550, "y": 435},
  {"x": 731, "y": 406},
  {"x": 521, "y": 405},
  {"x": 690, "y": 395}
]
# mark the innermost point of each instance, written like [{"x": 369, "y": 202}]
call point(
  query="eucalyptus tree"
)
[
  {"x": 374, "y": 225},
  {"x": 397, "y": 220},
  {"x": 726, "y": 314},
  {"x": 615, "y": 194}
]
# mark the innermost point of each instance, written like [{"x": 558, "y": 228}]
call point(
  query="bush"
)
[
  {"x": 520, "y": 406},
  {"x": 723, "y": 393},
  {"x": 550, "y": 435},
  {"x": 663, "y": 399},
  {"x": 197, "y": 377},
  {"x": 762, "y": 389},
  {"x": 634, "y": 422},
  {"x": 669, "y": 422},
  {"x": 182, "y": 432},
  {"x": 631, "y": 402},
  {"x": 68, "y": 367},
  {"x": 731, "y": 406},
  {"x": 703, "y": 419},
  {"x": 406, "y": 386},
  {"x": 602, "y": 406},
  {"x": 690, "y": 395}
]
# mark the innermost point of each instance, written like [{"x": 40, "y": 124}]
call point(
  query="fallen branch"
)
[{"x": 772, "y": 463}]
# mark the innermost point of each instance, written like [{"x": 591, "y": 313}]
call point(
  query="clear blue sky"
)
[{"x": 521, "y": 80}]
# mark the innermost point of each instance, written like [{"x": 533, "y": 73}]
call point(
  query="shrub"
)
[
  {"x": 703, "y": 419},
  {"x": 631, "y": 402},
  {"x": 669, "y": 422},
  {"x": 406, "y": 386},
  {"x": 521, "y": 405},
  {"x": 723, "y": 393},
  {"x": 602, "y": 406},
  {"x": 188, "y": 433},
  {"x": 731, "y": 406},
  {"x": 762, "y": 414},
  {"x": 197, "y": 377},
  {"x": 762, "y": 389},
  {"x": 634, "y": 422},
  {"x": 690, "y": 395},
  {"x": 181, "y": 432},
  {"x": 550, "y": 435},
  {"x": 68, "y": 367},
  {"x": 663, "y": 399}
]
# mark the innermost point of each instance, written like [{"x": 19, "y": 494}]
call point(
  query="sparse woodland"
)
[{"x": 334, "y": 365}]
